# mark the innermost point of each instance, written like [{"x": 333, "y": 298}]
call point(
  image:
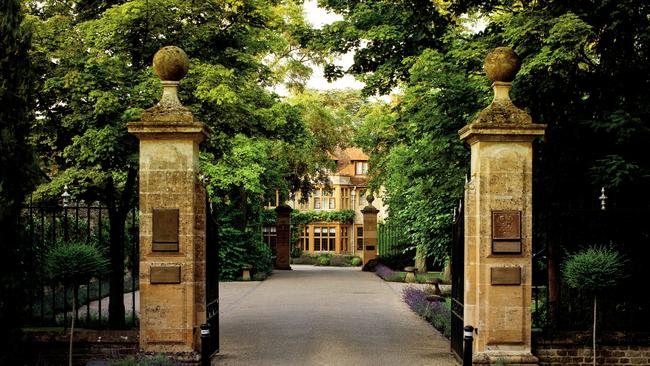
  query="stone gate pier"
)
[
  {"x": 498, "y": 222},
  {"x": 172, "y": 219}
]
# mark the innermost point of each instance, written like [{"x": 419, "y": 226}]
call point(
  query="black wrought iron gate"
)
[
  {"x": 212, "y": 281},
  {"x": 457, "y": 279}
]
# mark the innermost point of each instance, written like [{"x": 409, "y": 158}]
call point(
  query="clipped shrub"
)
[
  {"x": 355, "y": 261},
  {"x": 592, "y": 271},
  {"x": 74, "y": 263},
  {"x": 324, "y": 261},
  {"x": 306, "y": 258}
]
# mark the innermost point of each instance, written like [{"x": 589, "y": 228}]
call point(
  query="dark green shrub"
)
[
  {"x": 239, "y": 248},
  {"x": 594, "y": 269},
  {"x": 296, "y": 252},
  {"x": 260, "y": 276},
  {"x": 398, "y": 261},
  {"x": 306, "y": 258},
  {"x": 74, "y": 263},
  {"x": 355, "y": 261},
  {"x": 155, "y": 360}
]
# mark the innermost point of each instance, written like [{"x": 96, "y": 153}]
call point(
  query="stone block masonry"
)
[
  {"x": 51, "y": 347},
  {"x": 172, "y": 251},
  {"x": 612, "y": 349}
]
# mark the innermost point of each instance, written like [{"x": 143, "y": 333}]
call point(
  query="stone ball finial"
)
[
  {"x": 370, "y": 199},
  {"x": 502, "y": 64},
  {"x": 171, "y": 63}
]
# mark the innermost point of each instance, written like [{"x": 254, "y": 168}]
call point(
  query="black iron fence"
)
[
  {"x": 48, "y": 225},
  {"x": 390, "y": 240},
  {"x": 624, "y": 307},
  {"x": 458, "y": 279}
]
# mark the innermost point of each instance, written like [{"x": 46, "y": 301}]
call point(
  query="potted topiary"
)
[
  {"x": 593, "y": 270},
  {"x": 73, "y": 264}
]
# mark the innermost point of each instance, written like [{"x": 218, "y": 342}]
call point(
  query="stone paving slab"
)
[{"x": 324, "y": 316}]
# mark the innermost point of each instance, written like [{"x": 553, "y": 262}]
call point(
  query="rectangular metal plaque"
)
[
  {"x": 505, "y": 275},
  {"x": 167, "y": 274},
  {"x": 164, "y": 247},
  {"x": 506, "y": 225},
  {"x": 165, "y": 230},
  {"x": 506, "y": 247},
  {"x": 370, "y": 247}
]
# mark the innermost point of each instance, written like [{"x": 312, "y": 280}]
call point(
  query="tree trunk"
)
[
  {"x": 116, "y": 310},
  {"x": 243, "y": 209},
  {"x": 75, "y": 292},
  {"x": 117, "y": 213},
  {"x": 594, "y": 334},
  {"x": 446, "y": 271},
  {"x": 553, "y": 283},
  {"x": 420, "y": 259}
]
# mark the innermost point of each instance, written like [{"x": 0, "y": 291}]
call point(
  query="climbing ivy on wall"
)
[
  {"x": 268, "y": 217},
  {"x": 307, "y": 217},
  {"x": 300, "y": 218}
]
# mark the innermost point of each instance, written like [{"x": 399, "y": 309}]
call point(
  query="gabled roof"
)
[{"x": 349, "y": 154}]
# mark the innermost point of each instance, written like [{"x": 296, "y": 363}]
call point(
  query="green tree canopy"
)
[{"x": 93, "y": 63}]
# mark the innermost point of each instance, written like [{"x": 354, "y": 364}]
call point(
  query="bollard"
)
[
  {"x": 467, "y": 349},
  {"x": 205, "y": 344}
]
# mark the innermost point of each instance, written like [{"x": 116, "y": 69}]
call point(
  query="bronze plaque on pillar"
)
[
  {"x": 506, "y": 232},
  {"x": 165, "y": 230},
  {"x": 506, "y": 225},
  {"x": 505, "y": 275},
  {"x": 167, "y": 274}
]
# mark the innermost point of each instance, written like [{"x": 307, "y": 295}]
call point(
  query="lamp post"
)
[
  {"x": 65, "y": 198},
  {"x": 603, "y": 199}
]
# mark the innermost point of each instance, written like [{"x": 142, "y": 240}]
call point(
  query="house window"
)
[
  {"x": 345, "y": 198},
  {"x": 328, "y": 199},
  {"x": 270, "y": 237},
  {"x": 344, "y": 238},
  {"x": 324, "y": 199},
  {"x": 324, "y": 238},
  {"x": 361, "y": 167},
  {"x": 304, "y": 238},
  {"x": 317, "y": 199},
  {"x": 359, "y": 237}
]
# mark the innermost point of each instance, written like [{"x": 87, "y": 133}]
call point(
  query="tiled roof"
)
[{"x": 350, "y": 154}]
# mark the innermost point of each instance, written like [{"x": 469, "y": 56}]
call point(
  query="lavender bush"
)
[
  {"x": 388, "y": 274},
  {"x": 383, "y": 272},
  {"x": 436, "y": 313}
]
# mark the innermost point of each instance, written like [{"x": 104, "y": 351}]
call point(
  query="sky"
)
[{"x": 318, "y": 17}]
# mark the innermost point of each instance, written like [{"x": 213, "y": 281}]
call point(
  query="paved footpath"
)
[{"x": 324, "y": 316}]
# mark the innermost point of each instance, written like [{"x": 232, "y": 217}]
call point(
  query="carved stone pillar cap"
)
[
  {"x": 370, "y": 209},
  {"x": 283, "y": 209},
  {"x": 502, "y": 65},
  {"x": 171, "y": 63}
]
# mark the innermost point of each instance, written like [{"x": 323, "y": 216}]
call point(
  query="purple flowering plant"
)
[{"x": 436, "y": 313}]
